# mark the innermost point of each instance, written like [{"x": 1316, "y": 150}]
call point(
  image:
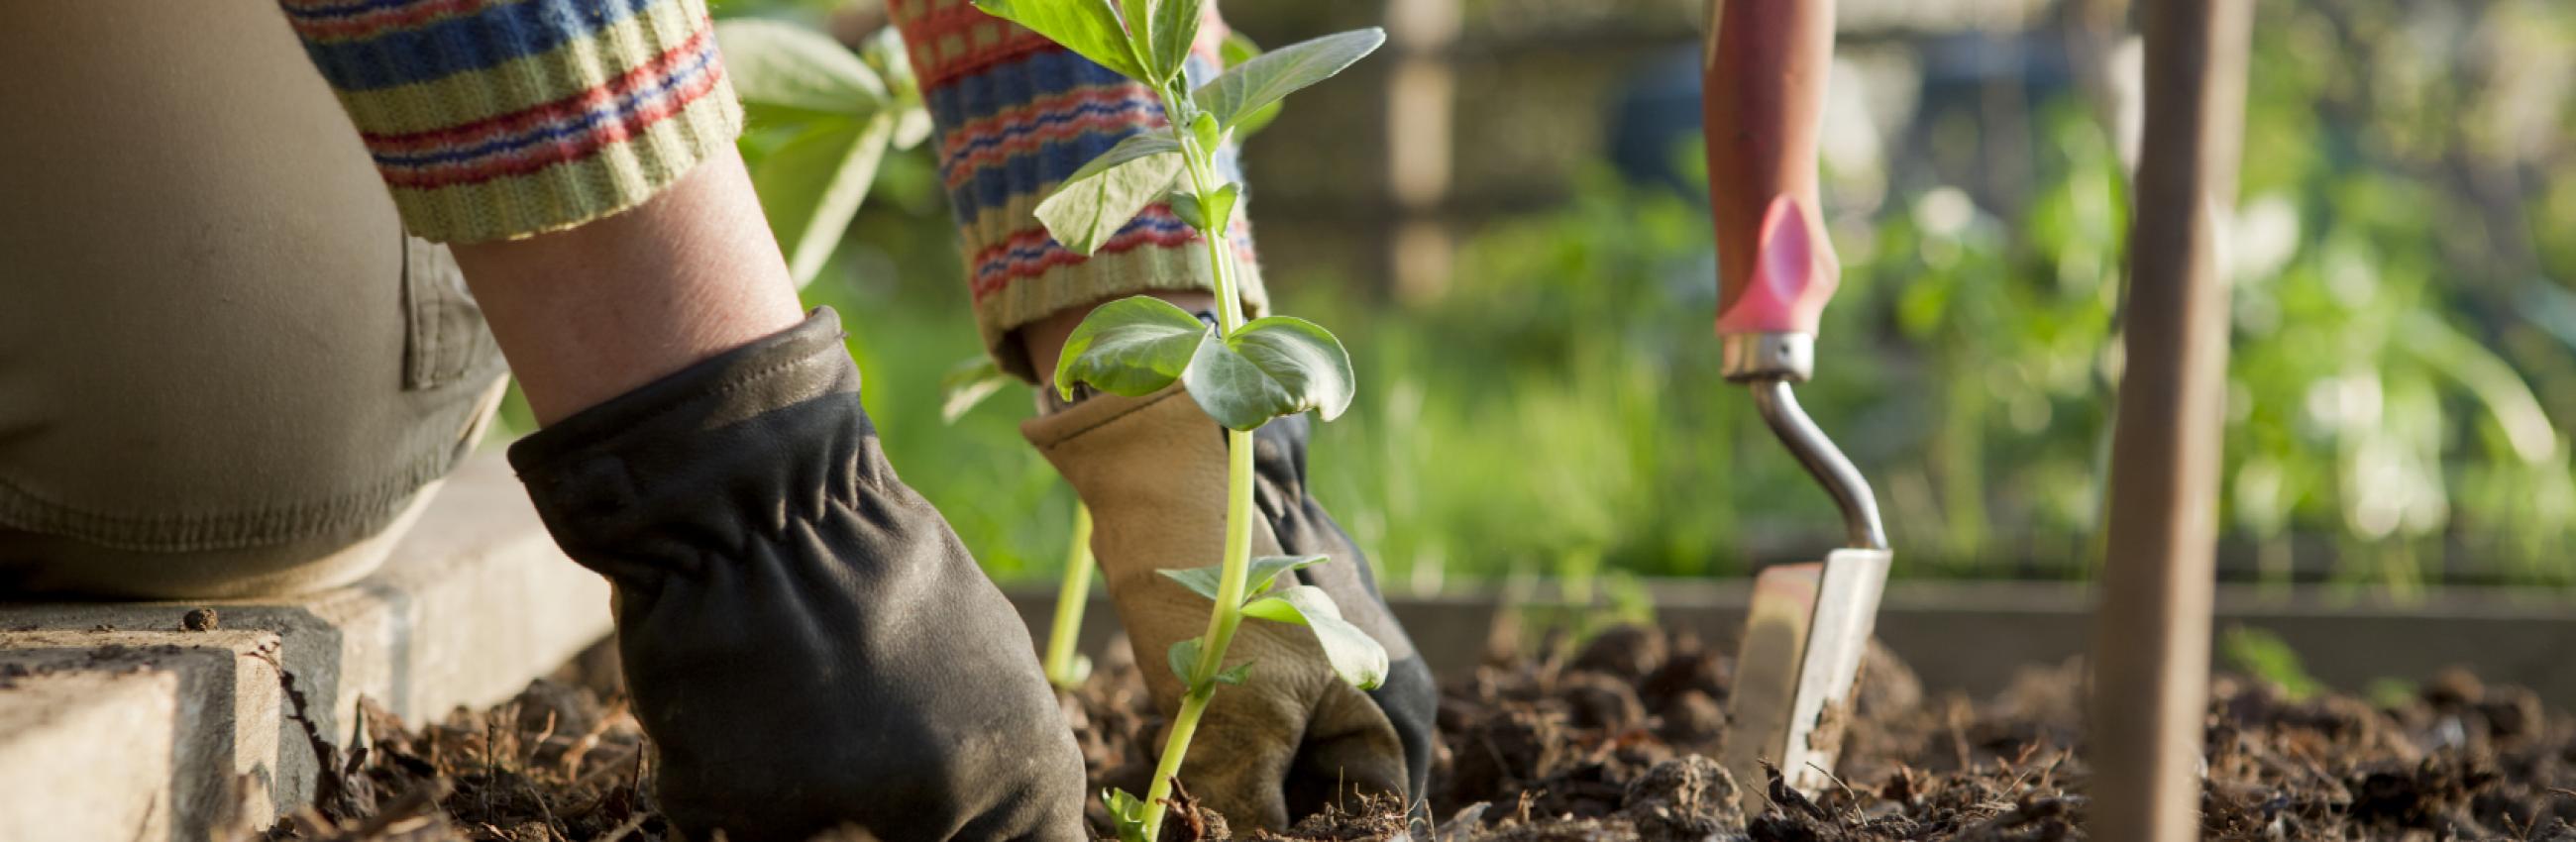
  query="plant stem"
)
[
  {"x": 1201, "y": 163},
  {"x": 1069, "y": 603},
  {"x": 1227, "y": 615},
  {"x": 1228, "y": 610}
]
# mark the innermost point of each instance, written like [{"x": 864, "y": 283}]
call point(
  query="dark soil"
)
[{"x": 1612, "y": 740}]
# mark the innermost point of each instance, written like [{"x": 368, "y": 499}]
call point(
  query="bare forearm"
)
[
  {"x": 582, "y": 168},
  {"x": 588, "y": 313}
]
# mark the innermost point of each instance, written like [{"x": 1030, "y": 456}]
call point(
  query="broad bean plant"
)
[{"x": 1242, "y": 373}]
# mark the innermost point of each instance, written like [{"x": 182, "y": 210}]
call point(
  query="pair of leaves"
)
[
  {"x": 1214, "y": 214},
  {"x": 849, "y": 106},
  {"x": 1270, "y": 367},
  {"x": 1204, "y": 581},
  {"x": 1353, "y": 654},
  {"x": 1184, "y": 658}
]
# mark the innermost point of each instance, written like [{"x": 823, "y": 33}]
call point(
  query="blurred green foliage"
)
[
  {"x": 2264, "y": 655},
  {"x": 2404, "y": 349}
]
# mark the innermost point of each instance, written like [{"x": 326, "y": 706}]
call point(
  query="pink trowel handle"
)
[
  {"x": 1763, "y": 104},
  {"x": 1794, "y": 274}
]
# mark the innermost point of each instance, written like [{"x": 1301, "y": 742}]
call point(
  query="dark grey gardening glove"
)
[
  {"x": 806, "y": 641},
  {"x": 1304, "y": 528},
  {"x": 1293, "y": 737}
]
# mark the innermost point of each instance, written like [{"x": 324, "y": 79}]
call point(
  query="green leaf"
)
[
  {"x": 1098, "y": 199},
  {"x": 968, "y": 383},
  {"x": 1127, "y": 812},
  {"x": 1138, "y": 16},
  {"x": 1087, "y": 27},
  {"x": 1258, "y": 576},
  {"x": 1283, "y": 71},
  {"x": 1252, "y": 122},
  {"x": 812, "y": 185},
  {"x": 1219, "y": 207},
  {"x": 1186, "y": 207},
  {"x": 1234, "y": 391},
  {"x": 1204, "y": 128},
  {"x": 1271, "y": 367},
  {"x": 1129, "y": 150},
  {"x": 787, "y": 67},
  {"x": 1304, "y": 356},
  {"x": 1235, "y": 675},
  {"x": 1200, "y": 580},
  {"x": 1355, "y": 656},
  {"x": 1295, "y": 605},
  {"x": 1184, "y": 657},
  {"x": 1176, "y": 24},
  {"x": 1132, "y": 346}
]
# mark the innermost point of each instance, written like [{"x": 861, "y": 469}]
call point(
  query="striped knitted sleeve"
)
[
  {"x": 498, "y": 119},
  {"x": 1016, "y": 114}
]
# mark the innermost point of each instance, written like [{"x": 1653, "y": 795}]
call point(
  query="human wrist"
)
[{"x": 593, "y": 312}]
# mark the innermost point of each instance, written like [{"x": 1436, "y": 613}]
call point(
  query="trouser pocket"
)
[{"x": 444, "y": 338}]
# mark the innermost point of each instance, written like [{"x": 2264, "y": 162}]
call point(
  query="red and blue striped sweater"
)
[{"x": 495, "y": 119}]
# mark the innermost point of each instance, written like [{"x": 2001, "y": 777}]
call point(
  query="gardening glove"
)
[
  {"x": 1294, "y": 737},
  {"x": 806, "y": 641}
]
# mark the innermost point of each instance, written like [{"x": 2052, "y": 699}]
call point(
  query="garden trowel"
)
[{"x": 1809, "y": 622}]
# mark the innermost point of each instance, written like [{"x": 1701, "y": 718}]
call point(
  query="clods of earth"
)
[{"x": 1612, "y": 739}]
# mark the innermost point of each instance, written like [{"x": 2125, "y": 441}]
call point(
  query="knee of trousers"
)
[
  {"x": 223, "y": 368},
  {"x": 213, "y": 436}
]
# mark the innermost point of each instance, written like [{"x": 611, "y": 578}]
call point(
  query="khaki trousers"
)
[{"x": 224, "y": 370}]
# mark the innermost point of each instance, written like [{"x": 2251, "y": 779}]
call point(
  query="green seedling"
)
[
  {"x": 1243, "y": 374},
  {"x": 1066, "y": 668},
  {"x": 839, "y": 112}
]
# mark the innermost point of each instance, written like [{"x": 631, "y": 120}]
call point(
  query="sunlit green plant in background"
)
[
  {"x": 1243, "y": 374},
  {"x": 1551, "y": 414},
  {"x": 842, "y": 110}
]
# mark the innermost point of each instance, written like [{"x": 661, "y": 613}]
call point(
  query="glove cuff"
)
[
  {"x": 1153, "y": 471},
  {"x": 703, "y": 454}
]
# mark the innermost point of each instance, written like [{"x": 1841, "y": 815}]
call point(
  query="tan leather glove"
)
[{"x": 1294, "y": 737}]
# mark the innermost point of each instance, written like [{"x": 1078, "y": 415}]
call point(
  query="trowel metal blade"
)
[{"x": 1804, "y": 635}]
